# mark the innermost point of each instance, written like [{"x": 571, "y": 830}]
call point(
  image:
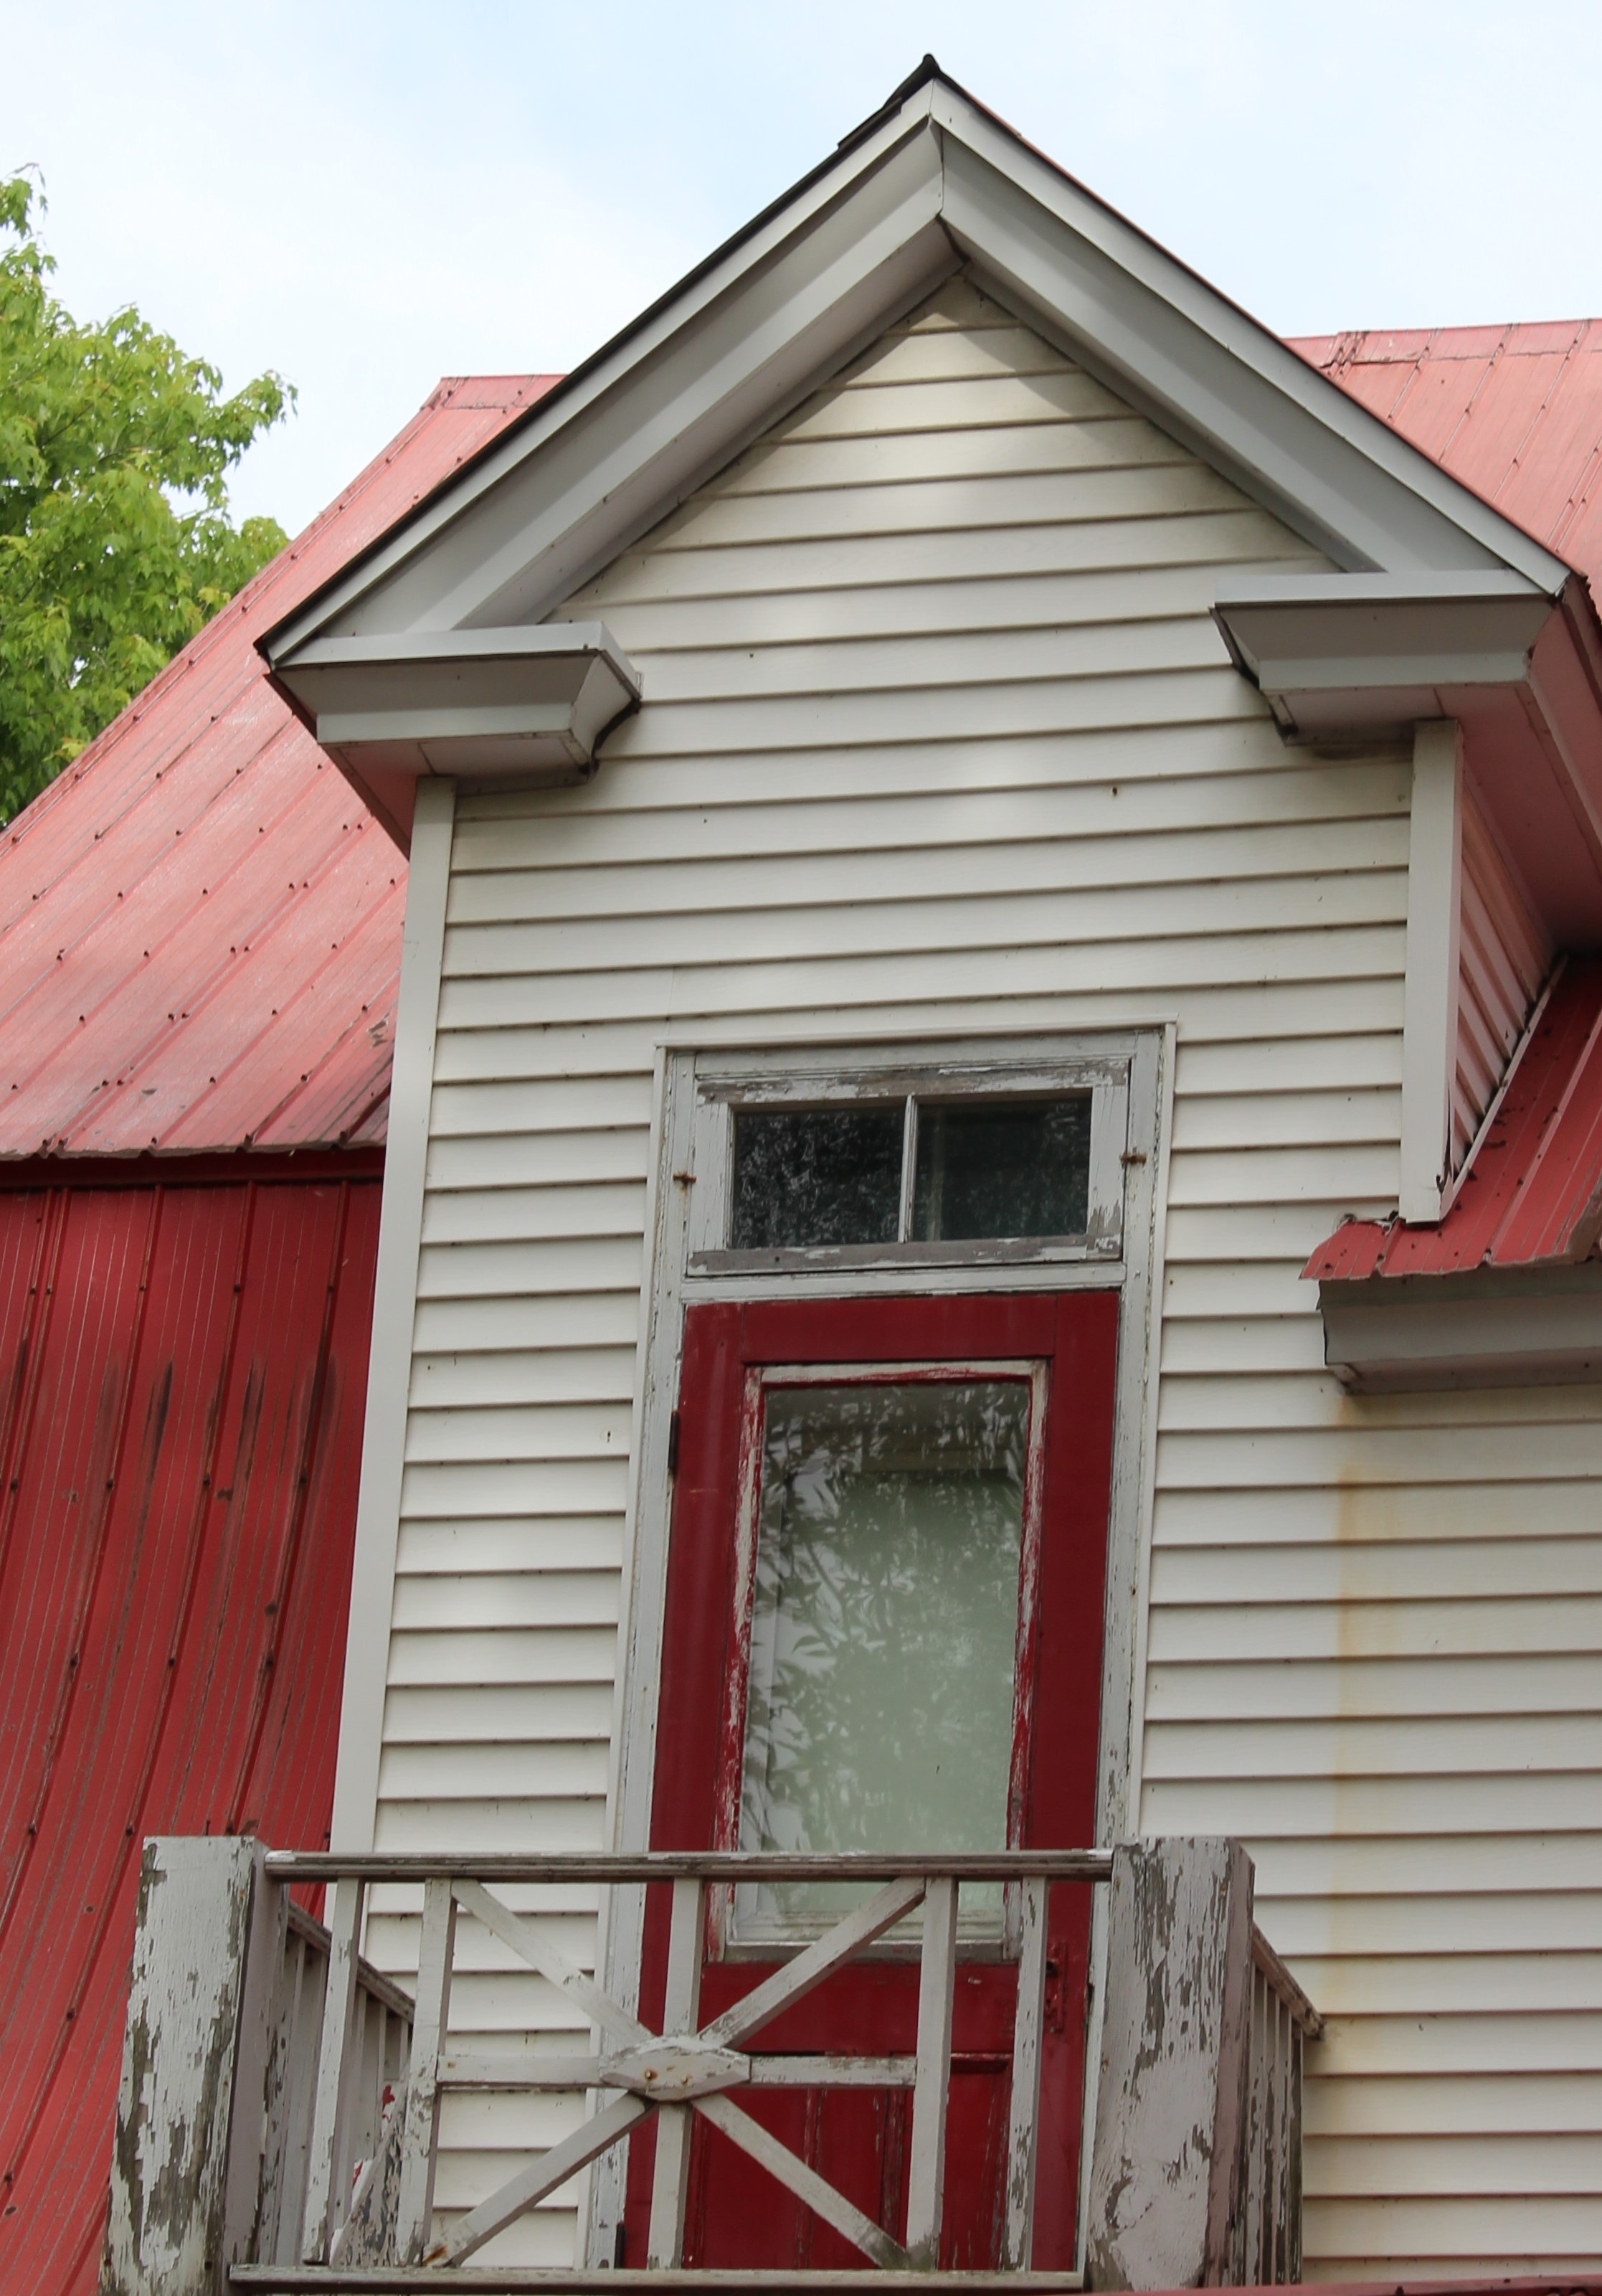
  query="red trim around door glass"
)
[{"x": 761, "y": 1381}]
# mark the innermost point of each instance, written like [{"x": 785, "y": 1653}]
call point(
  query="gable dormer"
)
[{"x": 1435, "y": 605}]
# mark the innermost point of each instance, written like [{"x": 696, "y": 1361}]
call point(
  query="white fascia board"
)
[
  {"x": 1208, "y": 371},
  {"x": 678, "y": 395},
  {"x": 394, "y": 1317},
  {"x": 556, "y": 641},
  {"x": 1240, "y": 587},
  {"x": 1535, "y": 1327},
  {"x": 720, "y": 360}
]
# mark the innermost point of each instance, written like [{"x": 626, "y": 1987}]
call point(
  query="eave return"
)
[
  {"x": 1346, "y": 660},
  {"x": 290, "y": 2128},
  {"x": 529, "y": 705}
]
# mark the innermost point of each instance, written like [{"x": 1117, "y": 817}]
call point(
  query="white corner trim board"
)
[
  {"x": 1430, "y": 997},
  {"x": 393, "y": 1311}
]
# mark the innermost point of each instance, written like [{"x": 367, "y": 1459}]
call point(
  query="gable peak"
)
[{"x": 929, "y": 186}]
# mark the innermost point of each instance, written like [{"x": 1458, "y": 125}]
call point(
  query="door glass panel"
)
[
  {"x": 807, "y": 1177},
  {"x": 880, "y": 1711},
  {"x": 1001, "y": 1167}
]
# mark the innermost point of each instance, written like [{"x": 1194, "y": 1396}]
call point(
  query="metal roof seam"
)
[
  {"x": 1472, "y": 400},
  {"x": 223, "y": 624},
  {"x": 1536, "y": 420},
  {"x": 118, "y": 867},
  {"x": 60, "y": 1713},
  {"x": 295, "y": 1534},
  {"x": 199, "y": 997},
  {"x": 1578, "y": 496},
  {"x": 161, "y": 861},
  {"x": 1550, "y": 1202},
  {"x": 357, "y": 1024},
  {"x": 1494, "y": 1106}
]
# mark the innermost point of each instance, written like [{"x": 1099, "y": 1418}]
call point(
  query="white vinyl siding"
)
[
  {"x": 1504, "y": 957},
  {"x": 938, "y": 737}
]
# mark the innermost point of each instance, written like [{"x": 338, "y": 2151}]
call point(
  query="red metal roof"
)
[
  {"x": 199, "y": 922},
  {"x": 1515, "y": 412},
  {"x": 183, "y": 1370},
  {"x": 1532, "y": 1192}
]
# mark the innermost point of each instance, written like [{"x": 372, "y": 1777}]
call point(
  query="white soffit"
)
[{"x": 932, "y": 182}]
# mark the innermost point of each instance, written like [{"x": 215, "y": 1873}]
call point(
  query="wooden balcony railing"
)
[
  {"x": 292, "y": 2133},
  {"x": 379, "y": 2047}
]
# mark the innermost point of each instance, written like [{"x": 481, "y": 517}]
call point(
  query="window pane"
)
[
  {"x": 816, "y": 1176},
  {"x": 884, "y": 1623},
  {"x": 1001, "y": 1167}
]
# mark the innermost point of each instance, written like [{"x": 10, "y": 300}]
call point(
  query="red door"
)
[{"x": 883, "y": 1632}]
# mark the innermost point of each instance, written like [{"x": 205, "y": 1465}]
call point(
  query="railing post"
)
[
  {"x": 1293, "y": 2158},
  {"x": 1017, "y": 2234},
  {"x": 1256, "y": 2260},
  {"x": 926, "y": 2180},
  {"x": 191, "y": 1992},
  {"x": 1167, "y": 2207},
  {"x": 436, "y": 1953},
  {"x": 327, "y": 2159},
  {"x": 681, "y": 2009}
]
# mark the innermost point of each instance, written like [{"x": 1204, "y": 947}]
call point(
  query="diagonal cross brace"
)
[
  {"x": 713, "y": 2045},
  {"x": 531, "y": 2185},
  {"x": 551, "y": 1963}
]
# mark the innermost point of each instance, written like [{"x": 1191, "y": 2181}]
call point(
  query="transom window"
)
[
  {"x": 979, "y": 1169},
  {"x": 979, "y": 1165}
]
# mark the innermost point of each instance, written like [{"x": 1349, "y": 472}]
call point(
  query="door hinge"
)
[{"x": 673, "y": 1444}]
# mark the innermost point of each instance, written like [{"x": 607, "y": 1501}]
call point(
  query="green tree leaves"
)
[{"x": 116, "y": 544}]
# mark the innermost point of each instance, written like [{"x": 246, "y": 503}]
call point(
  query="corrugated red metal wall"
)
[{"x": 181, "y": 1400}]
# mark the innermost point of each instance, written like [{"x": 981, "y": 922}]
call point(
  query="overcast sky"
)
[{"x": 368, "y": 196}]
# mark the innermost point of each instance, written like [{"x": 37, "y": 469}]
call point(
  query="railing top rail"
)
[
  {"x": 1306, "y": 2019},
  {"x": 371, "y": 1979},
  {"x": 673, "y": 1865}
]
